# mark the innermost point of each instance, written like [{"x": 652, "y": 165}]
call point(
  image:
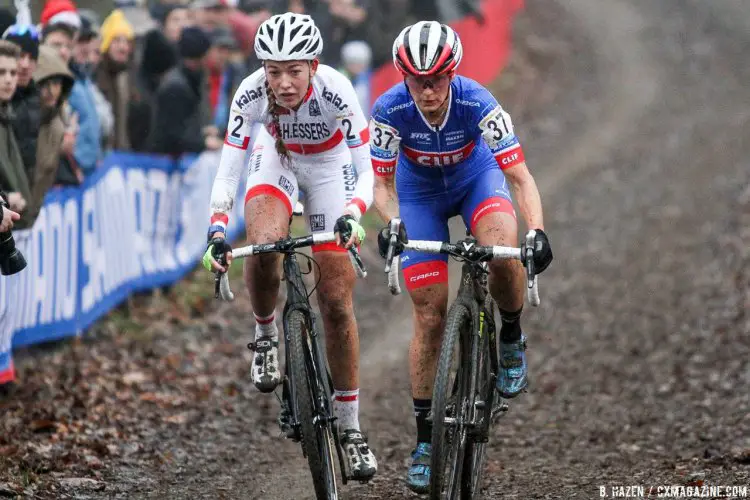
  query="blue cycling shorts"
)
[{"x": 429, "y": 196}]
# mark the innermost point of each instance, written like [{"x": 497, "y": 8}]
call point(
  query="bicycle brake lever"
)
[
  {"x": 359, "y": 266},
  {"x": 217, "y": 278},
  {"x": 529, "y": 257},
  {"x": 217, "y": 285},
  {"x": 393, "y": 228}
]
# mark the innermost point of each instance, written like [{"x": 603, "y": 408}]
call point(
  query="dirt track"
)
[{"x": 634, "y": 118}]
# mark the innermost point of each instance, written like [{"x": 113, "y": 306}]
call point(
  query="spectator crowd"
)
[{"x": 152, "y": 76}]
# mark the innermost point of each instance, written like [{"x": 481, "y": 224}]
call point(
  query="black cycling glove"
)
[
  {"x": 542, "y": 252},
  {"x": 384, "y": 239}
]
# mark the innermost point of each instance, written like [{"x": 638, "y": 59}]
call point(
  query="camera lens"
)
[{"x": 11, "y": 260}]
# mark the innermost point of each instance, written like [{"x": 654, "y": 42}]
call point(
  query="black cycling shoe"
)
[
  {"x": 265, "y": 369},
  {"x": 359, "y": 456}
]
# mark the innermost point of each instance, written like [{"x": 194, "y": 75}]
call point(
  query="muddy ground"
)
[{"x": 635, "y": 120}]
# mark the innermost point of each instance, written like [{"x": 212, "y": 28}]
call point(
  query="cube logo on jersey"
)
[
  {"x": 314, "y": 108},
  {"x": 317, "y": 222},
  {"x": 286, "y": 185}
]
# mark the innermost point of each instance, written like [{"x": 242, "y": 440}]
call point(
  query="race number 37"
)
[{"x": 379, "y": 135}]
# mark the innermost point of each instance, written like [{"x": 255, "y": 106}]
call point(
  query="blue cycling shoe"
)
[
  {"x": 513, "y": 377},
  {"x": 418, "y": 476}
]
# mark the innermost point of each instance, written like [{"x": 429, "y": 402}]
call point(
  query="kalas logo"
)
[
  {"x": 334, "y": 99},
  {"x": 249, "y": 96}
]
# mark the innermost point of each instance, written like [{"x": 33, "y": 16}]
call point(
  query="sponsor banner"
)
[{"x": 137, "y": 223}]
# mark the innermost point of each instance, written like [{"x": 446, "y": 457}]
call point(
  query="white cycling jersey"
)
[{"x": 327, "y": 136}]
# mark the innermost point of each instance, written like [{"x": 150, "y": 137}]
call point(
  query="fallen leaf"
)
[
  {"x": 82, "y": 482},
  {"x": 10, "y": 489},
  {"x": 173, "y": 360},
  {"x": 742, "y": 457},
  {"x": 179, "y": 418},
  {"x": 42, "y": 425},
  {"x": 133, "y": 378},
  {"x": 9, "y": 450}
]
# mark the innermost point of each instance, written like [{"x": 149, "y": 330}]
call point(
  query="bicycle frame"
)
[
  {"x": 473, "y": 294},
  {"x": 319, "y": 378},
  {"x": 297, "y": 300},
  {"x": 472, "y": 391}
]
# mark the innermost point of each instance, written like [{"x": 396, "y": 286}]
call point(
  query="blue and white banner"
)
[{"x": 137, "y": 223}]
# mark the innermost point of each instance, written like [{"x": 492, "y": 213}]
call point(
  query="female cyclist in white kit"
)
[{"x": 314, "y": 135}]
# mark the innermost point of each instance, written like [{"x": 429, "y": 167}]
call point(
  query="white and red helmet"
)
[{"x": 427, "y": 48}]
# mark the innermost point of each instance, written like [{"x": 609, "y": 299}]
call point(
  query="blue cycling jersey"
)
[
  {"x": 475, "y": 129},
  {"x": 454, "y": 168}
]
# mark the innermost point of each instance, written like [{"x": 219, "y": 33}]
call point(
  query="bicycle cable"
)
[
  {"x": 474, "y": 263},
  {"x": 317, "y": 266}
]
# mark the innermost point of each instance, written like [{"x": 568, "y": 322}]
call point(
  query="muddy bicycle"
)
[
  {"x": 464, "y": 400},
  {"x": 306, "y": 405}
]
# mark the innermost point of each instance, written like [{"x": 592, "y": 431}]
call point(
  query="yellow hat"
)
[{"x": 115, "y": 25}]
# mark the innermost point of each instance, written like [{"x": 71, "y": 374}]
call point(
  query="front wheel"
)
[
  {"x": 484, "y": 401},
  {"x": 449, "y": 406},
  {"x": 317, "y": 438}
]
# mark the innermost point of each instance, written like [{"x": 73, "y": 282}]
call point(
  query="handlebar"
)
[
  {"x": 288, "y": 245},
  {"x": 467, "y": 249}
]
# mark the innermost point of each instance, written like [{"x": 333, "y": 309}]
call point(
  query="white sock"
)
[
  {"x": 346, "y": 409},
  {"x": 265, "y": 326}
]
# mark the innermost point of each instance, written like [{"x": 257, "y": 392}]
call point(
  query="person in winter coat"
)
[
  {"x": 13, "y": 178},
  {"x": 83, "y": 102},
  {"x": 159, "y": 56},
  {"x": 55, "y": 82},
  {"x": 25, "y": 101},
  {"x": 112, "y": 74},
  {"x": 224, "y": 77},
  {"x": 180, "y": 116}
]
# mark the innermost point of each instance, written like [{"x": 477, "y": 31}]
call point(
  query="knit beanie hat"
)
[
  {"x": 60, "y": 11},
  {"x": 26, "y": 37},
  {"x": 7, "y": 19},
  {"x": 194, "y": 43},
  {"x": 115, "y": 25},
  {"x": 160, "y": 11}
]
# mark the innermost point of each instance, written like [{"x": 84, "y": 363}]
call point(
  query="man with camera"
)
[
  {"x": 8, "y": 217},
  {"x": 14, "y": 181}
]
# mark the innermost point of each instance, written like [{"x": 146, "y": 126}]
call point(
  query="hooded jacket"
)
[
  {"x": 13, "y": 176},
  {"x": 25, "y": 104},
  {"x": 83, "y": 101},
  {"x": 51, "y": 131}
]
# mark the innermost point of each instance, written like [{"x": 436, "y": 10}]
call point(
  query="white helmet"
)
[{"x": 288, "y": 37}]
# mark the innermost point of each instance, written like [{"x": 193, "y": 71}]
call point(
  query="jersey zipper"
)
[{"x": 442, "y": 167}]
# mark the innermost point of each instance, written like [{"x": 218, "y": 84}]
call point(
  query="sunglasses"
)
[{"x": 428, "y": 82}]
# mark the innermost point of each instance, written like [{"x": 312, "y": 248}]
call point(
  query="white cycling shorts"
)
[{"x": 327, "y": 180}]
